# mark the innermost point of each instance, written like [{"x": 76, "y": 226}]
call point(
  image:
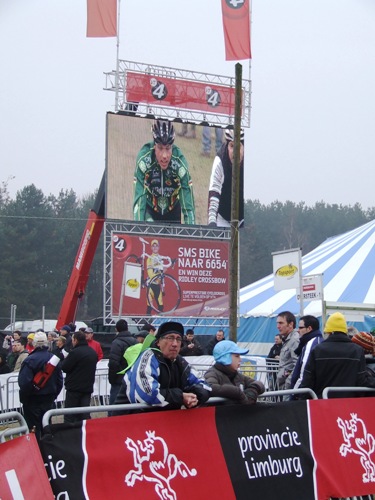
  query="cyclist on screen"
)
[
  {"x": 163, "y": 187},
  {"x": 155, "y": 267}
]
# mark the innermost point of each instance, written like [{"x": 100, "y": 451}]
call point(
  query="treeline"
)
[{"x": 39, "y": 237}]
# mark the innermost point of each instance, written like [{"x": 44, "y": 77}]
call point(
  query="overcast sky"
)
[{"x": 312, "y": 134}]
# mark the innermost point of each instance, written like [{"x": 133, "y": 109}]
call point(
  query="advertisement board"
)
[
  {"x": 160, "y": 275},
  {"x": 134, "y": 177}
]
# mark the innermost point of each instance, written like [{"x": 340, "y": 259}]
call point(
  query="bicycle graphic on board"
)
[{"x": 163, "y": 292}]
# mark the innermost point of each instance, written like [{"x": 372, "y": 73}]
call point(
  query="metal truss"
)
[
  {"x": 116, "y": 82},
  {"x": 180, "y": 231}
]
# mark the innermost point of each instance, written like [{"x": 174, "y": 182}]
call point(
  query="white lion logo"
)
[
  {"x": 357, "y": 440},
  {"x": 154, "y": 463}
]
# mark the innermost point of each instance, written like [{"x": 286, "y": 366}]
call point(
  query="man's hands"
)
[{"x": 190, "y": 399}]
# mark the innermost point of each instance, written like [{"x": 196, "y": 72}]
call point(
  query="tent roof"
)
[{"x": 347, "y": 263}]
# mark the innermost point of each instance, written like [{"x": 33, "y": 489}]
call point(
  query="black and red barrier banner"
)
[
  {"x": 179, "y": 93},
  {"x": 188, "y": 277},
  {"x": 22, "y": 472},
  {"x": 306, "y": 450}
]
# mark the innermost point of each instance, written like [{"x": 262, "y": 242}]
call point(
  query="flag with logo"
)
[
  {"x": 236, "y": 25},
  {"x": 101, "y": 18}
]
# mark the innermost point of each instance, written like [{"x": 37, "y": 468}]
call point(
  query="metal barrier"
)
[
  {"x": 327, "y": 390},
  {"x": 9, "y": 418},
  {"x": 106, "y": 408}
]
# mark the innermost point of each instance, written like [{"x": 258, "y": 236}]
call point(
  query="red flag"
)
[
  {"x": 236, "y": 24},
  {"x": 101, "y": 18}
]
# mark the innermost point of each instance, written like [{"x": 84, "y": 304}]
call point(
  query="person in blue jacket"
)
[{"x": 37, "y": 400}]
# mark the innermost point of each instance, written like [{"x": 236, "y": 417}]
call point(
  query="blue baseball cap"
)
[{"x": 224, "y": 349}]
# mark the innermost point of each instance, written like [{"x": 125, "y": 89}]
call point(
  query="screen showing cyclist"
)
[{"x": 163, "y": 189}]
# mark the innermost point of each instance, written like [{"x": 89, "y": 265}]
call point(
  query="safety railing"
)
[
  {"x": 11, "y": 418},
  {"x": 328, "y": 390}
]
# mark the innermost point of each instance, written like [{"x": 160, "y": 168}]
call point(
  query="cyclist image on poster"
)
[
  {"x": 156, "y": 264},
  {"x": 220, "y": 188},
  {"x": 163, "y": 188}
]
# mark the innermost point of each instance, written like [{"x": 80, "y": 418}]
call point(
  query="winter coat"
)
[
  {"x": 33, "y": 364},
  {"x": 336, "y": 362},
  {"x": 191, "y": 351},
  {"x": 117, "y": 361},
  {"x": 307, "y": 342},
  {"x": 228, "y": 383},
  {"x": 80, "y": 368},
  {"x": 288, "y": 360},
  {"x": 158, "y": 381}
]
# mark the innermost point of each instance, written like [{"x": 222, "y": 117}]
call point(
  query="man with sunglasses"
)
[{"x": 162, "y": 378}]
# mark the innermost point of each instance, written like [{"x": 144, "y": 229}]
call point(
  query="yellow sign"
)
[{"x": 287, "y": 271}]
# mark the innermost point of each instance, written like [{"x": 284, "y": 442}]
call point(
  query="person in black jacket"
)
[
  {"x": 190, "y": 345},
  {"x": 80, "y": 367},
  {"x": 117, "y": 362},
  {"x": 336, "y": 362},
  {"x": 36, "y": 401},
  {"x": 215, "y": 339}
]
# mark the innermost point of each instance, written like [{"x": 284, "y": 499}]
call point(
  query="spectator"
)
[
  {"x": 225, "y": 379},
  {"x": 190, "y": 345},
  {"x": 8, "y": 340},
  {"x": 4, "y": 367},
  {"x": 160, "y": 377},
  {"x": 336, "y": 362},
  {"x": 140, "y": 336},
  {"x": 20, "y": 349},
  {"x": 51, "y": 338},
  {"x": 36, "y": 401},
  {"x": 276, "y": 348},
  {"x": 117, "y": 362},
  {"x": 30, "y": 342},
  {"x": 65, "y": 331},
  {"x": 80, "y": 368},
  {"x": 367, "y": 342},
  {"x": 215, "y": 339},
  {"x": 12, "y": 357},
  {"x": 59, "y": 347},
  {"x": 94, "y": 344},
  {"x": 310, "y": 337},
  {"x": 272, "y": 362},
  {"x": 150, "y": 328},
  {"x": 286, "y": 324}
]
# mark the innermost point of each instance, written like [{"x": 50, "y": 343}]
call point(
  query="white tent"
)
[{"x": 347, "y": 263}]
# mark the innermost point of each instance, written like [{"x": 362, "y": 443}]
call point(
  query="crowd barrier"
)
[{"x": 253, "y": 366}]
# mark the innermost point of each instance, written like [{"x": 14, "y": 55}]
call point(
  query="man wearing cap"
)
[
  {"x": 336, "y": 362},
  {"x": 65, "y": 332},
  {"x": 30, "y": 345},
  {"x": 94, "y": 344},
  {"x": 225, "y": 379},
  {"x": 161, "y": 377},
  {"x": 36, "y": 401}
]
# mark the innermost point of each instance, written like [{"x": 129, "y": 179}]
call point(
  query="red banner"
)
[
  {"x": 236, "y": 24},
  {"x": 219, "y": 452},
  {"x": 188, "y": 277},
  {"x": 178, "y": 93},
  {"x": 22, "y": 471}
]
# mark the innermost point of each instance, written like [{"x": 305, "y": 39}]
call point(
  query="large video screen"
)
[
  {"x": 188, "y": 182},
  {"x": 159, "y": 275}
]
